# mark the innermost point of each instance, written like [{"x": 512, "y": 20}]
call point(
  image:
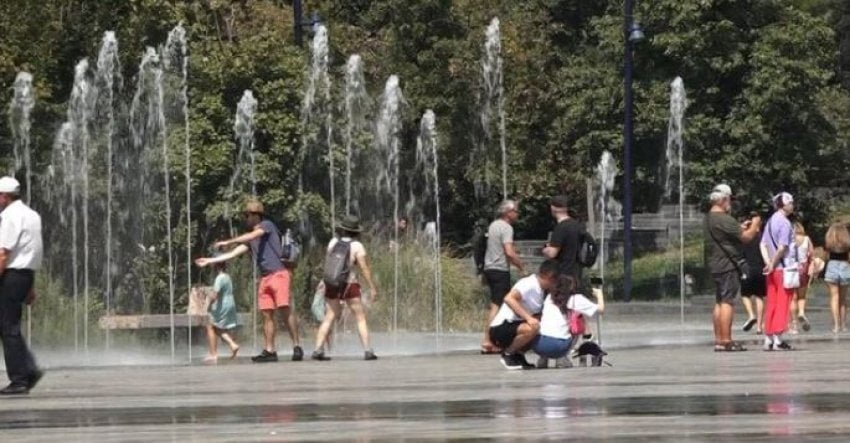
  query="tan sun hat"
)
[{"x": 255, "y": 207}]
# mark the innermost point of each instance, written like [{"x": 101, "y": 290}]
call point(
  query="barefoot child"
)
[{"x": 222, "y": 312}]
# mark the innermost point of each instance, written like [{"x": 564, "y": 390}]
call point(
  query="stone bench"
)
[{"x": 196, "y": 315}]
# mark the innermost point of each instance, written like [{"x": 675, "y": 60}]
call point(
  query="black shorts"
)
[
  {"x": 727, "y": 286},
  {"x": 754, "y": 285},
  {"x": 504, "y": 334},
  {"x": 499, "y": 283}
]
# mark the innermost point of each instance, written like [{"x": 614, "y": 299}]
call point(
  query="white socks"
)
[{"x": 772, "y": 341}]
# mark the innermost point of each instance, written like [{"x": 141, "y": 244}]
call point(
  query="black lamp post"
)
[
  {"x": 633, "y": 34},
  {"x": 300, "y": 23}
]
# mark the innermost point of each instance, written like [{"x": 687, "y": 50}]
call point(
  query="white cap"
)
[
  {"x": 9, "y": 185},
  {"x": 723, "y": 189}
]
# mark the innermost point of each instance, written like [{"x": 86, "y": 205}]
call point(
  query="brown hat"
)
[
  {"x": 255, "y": 207},
  {"x": 559, "y": 201},
  {"x": 351, "y": 223}
]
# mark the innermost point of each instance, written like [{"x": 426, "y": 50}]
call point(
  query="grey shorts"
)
[
  {"x": 837, "y": 272},
  {"x": 727, "y": 287}
]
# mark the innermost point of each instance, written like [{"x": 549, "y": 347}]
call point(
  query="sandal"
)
[
  {"x": 737, "y": 347},
  {"x": 732, "y": 346}
]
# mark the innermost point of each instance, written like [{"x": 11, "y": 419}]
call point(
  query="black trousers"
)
[{"x": 15, "y": 284}]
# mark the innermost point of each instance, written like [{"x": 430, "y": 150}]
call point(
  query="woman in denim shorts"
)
[{"x": 837, "y": 274}]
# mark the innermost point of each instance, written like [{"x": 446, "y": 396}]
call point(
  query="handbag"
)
[
  {"x": 577, "y": 325},
  {"x": 740, "y": 263},
  {"x": 790, "y": 273}
]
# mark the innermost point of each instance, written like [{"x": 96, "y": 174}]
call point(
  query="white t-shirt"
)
[
  {"x": 357, "y": 250},
  {"x": 20, "y": 234},
  {"x": 532, "y": 300},
  {"x": 555, "y": 324}
]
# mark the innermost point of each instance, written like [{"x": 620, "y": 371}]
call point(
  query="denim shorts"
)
[
  {"x": 551, "y": 347},
  {"x": 838, "y": 272}
]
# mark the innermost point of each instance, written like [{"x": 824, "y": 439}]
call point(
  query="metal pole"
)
[
  {"x": 628, "y": 133},
  {"x": 298, "y": 14}
]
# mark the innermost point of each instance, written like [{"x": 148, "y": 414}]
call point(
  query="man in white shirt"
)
[
  {"x": 20, "y": 256},
  {"x": 517, "y": 323}
]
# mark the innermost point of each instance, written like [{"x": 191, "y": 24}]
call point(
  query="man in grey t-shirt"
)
[
  {"x": 724, "y": 240},
  {"x": 497, "y": 260}
]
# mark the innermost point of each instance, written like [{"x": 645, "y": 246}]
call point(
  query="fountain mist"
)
[
  {"x": 609, "y": 209},
  {"x": 387, "y": 133},
  {"x": 149, "y": 133},
  {"x": 108, "y": 77},
  {"x": 176, "y": 59},
  {"x": 675, "y": 159},
  {"x": 20, "y": 109},
  {"x": 427, "y": 166},
  {"x": 493, "y": 97},
  {"x": 356, "y": 107},
  {"x": 317, "y": 98}
]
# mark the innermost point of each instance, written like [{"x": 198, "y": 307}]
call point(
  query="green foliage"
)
[{"x": 767, "y": 83}]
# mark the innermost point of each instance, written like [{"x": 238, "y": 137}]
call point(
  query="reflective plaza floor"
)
[{"x": 672, "y": 393}]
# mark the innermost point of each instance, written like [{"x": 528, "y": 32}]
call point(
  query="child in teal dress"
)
[{"x": 222, "y": 310}]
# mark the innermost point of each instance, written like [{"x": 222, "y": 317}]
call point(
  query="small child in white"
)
[
  {"x": 222, "y": 311},
  {"x": 560, "y": 324}
]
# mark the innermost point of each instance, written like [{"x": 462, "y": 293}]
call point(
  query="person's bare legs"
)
[
  {"x": 525, "y": 334},
  {"x": 748, "y": 306},
  {"x": 801, "y": 303},
  {"x": 486, "y": 344},
  {"x": 834, "y": 306},
  {"x": 842, "y": 308},
  {"x": 290, "y": 322},
  {"x": 269, "y": 330},
  {"x": 759, "y": 315},
  {"x": 234, "y": 347},
  {"x": 792, "y": 311},
  {"x": 718, "y": 339},
  {"x": 725, "y": 317},
  {"x": 333, "y": 309},
  {"x": 359, "y": 311},
  {"x": 212, "y": 342}
]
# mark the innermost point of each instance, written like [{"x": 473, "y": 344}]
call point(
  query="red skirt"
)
[{"x": 777, "y": 305}]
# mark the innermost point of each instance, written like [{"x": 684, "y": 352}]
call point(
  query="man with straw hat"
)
[{"x": 273, "y": 293}]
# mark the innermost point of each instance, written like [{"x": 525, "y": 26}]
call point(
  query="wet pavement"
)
[{"x": 671, "y": 393}]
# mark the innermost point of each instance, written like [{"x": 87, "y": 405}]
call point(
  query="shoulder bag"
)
[{"x": 790, "y": 273}]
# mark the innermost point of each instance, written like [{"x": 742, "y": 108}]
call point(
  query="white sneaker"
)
[{"x": 542, "y": 363}]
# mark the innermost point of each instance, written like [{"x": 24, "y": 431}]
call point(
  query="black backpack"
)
[
  {"x": 588, "y": 250},
  {"x": 337, "y": 265},
  {"x": 479, "y": 250}
]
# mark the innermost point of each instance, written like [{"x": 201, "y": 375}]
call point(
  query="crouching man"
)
[{"x": 517, "y": 323}]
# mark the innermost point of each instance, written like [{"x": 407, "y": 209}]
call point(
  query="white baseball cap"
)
[
  {"x": 8, "y": 185},
  {"x": 722, "y": 189}
]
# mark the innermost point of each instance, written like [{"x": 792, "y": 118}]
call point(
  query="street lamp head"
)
[{"x": 636, "y": 33}]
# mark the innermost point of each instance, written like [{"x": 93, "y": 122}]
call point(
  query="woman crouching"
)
[{"x": 561, "y": 321}]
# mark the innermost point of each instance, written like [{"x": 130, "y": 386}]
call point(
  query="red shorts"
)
[
  {"x": 273, "y": 292},
  {"x": 349, "y": 291}
]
